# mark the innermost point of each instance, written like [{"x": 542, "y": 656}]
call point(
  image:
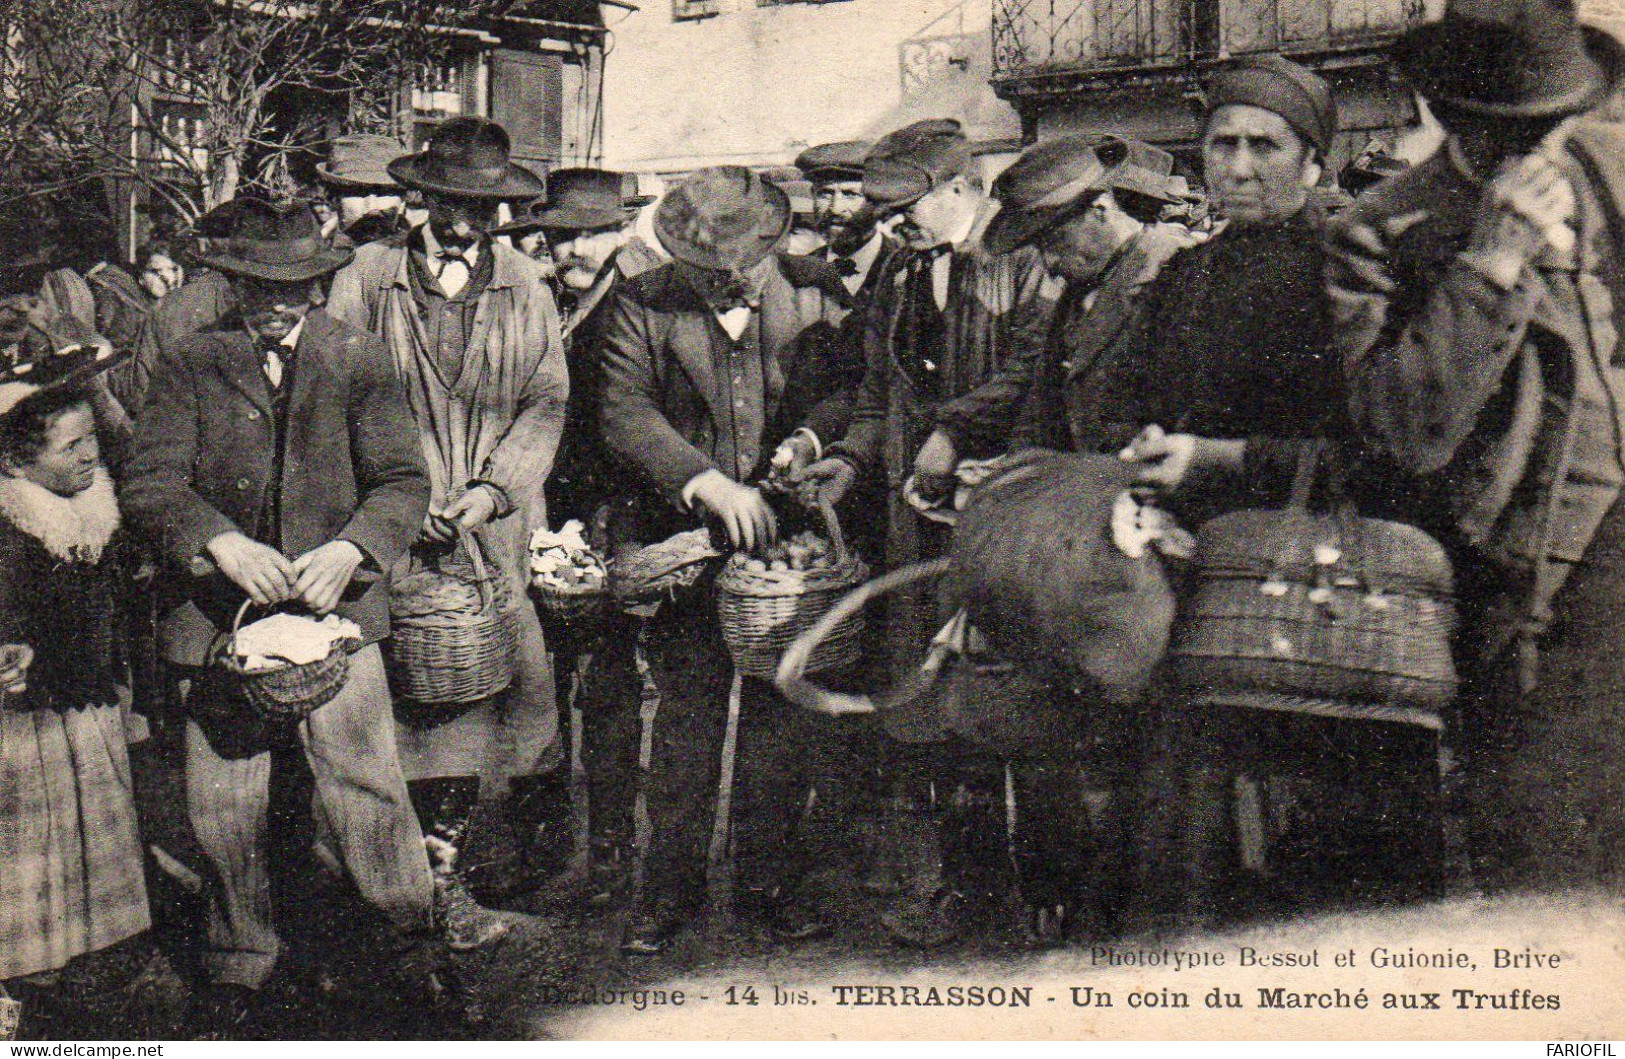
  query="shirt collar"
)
[
  {"x": 864, "y": 256},
  {"x": 291, "y": 339}
]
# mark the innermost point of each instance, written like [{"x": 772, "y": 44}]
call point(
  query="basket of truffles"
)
[
  {"x": 290, "y": 665},
  {"x": 568, "y": 579},
  {"x": 766, "y": 600}
]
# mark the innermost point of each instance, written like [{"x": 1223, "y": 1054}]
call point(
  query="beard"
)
[
  {"x": 846, "y": 238},
  {"x": 578, "y": 273}
]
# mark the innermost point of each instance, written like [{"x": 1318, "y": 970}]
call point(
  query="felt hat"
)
[
  {"x": 272, "y": 242},
  {"x": 1300, "y": 96},
  {"x": 579, "y": 199},
  {"x": 361, "y": 162},
  {"x": 906, "y": 165},
  {"x": 723, "y": 217},
  {"x": 60, "y": 352},
  {"x": 828, "y": 162},
  {"x": 1510, "y": 59},
  {"x": 1051, "y": 180},
  {"x": 468, "y": 158}
]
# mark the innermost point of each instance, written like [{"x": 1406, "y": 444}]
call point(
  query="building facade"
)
[{"x": 752, "y": 82}]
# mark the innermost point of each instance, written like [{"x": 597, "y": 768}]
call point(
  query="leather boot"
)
[
  {"x": 927, "y": 911},
  {"x": 543, "y": 815},
  {"x": 444, "y": 808}
]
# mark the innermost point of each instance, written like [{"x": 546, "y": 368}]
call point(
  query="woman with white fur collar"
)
[{"x": 73, "y": 880}]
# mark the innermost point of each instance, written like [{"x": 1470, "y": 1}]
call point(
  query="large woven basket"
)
[
  {"x": 763, "y": 612},
  {"x": 455, "y": 657},
  {"x": 1323, "y": 606},
  {"x": 289, "y": 693}
]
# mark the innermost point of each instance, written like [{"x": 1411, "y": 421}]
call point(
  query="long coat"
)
[
  {"x": 499, "y": 422},
  {"x": 196, "y": 305},
  {"x": 997, "y": 319},
  {"x": 206, "y": 462}
]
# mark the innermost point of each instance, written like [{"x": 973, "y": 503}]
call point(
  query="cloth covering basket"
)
[
  {"x": 452, "y": 656},
  {"x": 1318, "y": 606},
  {"x": 289, "y": 693},
  {"x": 763, "y": 612}
]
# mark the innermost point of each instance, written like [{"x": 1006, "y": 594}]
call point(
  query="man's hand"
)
[
  {"x": 15, "y": 658},
  {"x": 827, "y": 481},
  {"x": 261, "y": 571},
  {"x": 1169, "y": 460},
  {"x": 1528, "y": 204},
  {"x": 471, "y": 510},
  {"x": 324, "y": 573},
  {"x": 749, "y": 521},
  {"x": 793, "y": 456},
  {"x": 934, "y": 466}
]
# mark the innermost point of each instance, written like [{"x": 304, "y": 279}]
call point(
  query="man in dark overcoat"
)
[
  {"x": 1480, "y": 299},
  {"x": 277, "y": 463},
  {"x": 700, "y": 361}
]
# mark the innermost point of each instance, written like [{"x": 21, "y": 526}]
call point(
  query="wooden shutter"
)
[{"x": 527, "y": 91}]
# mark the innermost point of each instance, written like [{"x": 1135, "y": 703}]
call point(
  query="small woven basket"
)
[
  {"x": 455, "y": 657},
  {"x": 289, "y": 693},
  {"x": 763, "y": 612}
]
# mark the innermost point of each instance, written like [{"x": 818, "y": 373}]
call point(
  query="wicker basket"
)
[
  {"x": 290, "y": 693},
  {"x": 455, "y": 657},
  {"x": 649, "y": 575},
  {"x": 1331, "y": 606},
  {"x": 762, "y": 612}
]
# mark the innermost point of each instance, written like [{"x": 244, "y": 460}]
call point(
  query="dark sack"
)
[
  {"x": 1318, "y": 606},
  {"x": 1034, "y": 562}
]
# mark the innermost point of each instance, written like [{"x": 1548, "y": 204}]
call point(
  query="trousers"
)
[{"x": 360, "y": 805}]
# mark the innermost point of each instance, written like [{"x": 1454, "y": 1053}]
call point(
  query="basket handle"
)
[
  {"x": 482, "y": 577},
  {"x": 791, "y": 678},
  {"x": 832, "y": 525}
]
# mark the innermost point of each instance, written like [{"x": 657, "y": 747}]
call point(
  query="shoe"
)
[
  {"x": 1047, "y": 925},
  {"x": 220, "y": 1011},
  {"x": 464, "y": 923},
  {"x": 790, "y": 916},
  {"x": 650, "y": 932},
  {"x": 927, "y": 921}
]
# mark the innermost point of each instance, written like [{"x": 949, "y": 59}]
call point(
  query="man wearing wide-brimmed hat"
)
[
  {"x": 587, "y": 221},
  {"x": 276, "y": 463},
  {"x": 369, "y": 201},
  {"x": 703, "y": 374},
  {"x": 474, "y": 333},
  {"x": 1478, "y": 300}
]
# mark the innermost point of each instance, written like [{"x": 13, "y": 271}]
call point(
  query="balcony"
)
[{"x": 1049, "y": 39}]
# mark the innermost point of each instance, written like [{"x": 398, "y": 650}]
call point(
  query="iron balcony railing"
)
[{"x": 1051, "y": 36}]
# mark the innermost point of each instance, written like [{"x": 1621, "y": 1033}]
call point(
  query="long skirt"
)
[{"x": 71, "y": 877}]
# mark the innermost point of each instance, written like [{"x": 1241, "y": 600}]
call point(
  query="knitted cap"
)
[{"x": 1302, "y": 98}]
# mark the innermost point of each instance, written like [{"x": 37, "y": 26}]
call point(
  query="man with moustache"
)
[
  {"x": 474, "y": 334},
  {"x": 587, "y": 222},
  {"x": 277, "y": 462}
]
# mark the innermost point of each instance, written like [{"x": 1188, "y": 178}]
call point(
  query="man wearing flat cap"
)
[
  {"x": 949, "y": 346},
  {"x": 703, "y": 373},
  {"x": 277, "y": 464},
  {"x": 474, "y": 333},
  {"x": 369, "y": 201},
  {"x": 1480, "y": 304},
  {"x": 1090, "y": 204}
]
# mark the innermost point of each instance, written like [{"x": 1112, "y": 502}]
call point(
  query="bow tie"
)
[
  {"x": 448, "y": 255},
  {"x": 929, "y": 257},
  {"x": 845, "y": 266}
]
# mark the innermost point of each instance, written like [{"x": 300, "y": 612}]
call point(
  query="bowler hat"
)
[
  {"x": 1510, "y": 59},
  {"x": 723, "y": 217},
  {"x": 1045, "y": 185},
  {"x": 361, "y": 162},
  {"x": 829, "y": 162},
  {"x": 1300, "y": 96},
  {"x": 282, "y": 243},
  {"x": 468, "y": 158},
  {"x": 582, "y": 199},
  {"x": 910, "y": 163}
]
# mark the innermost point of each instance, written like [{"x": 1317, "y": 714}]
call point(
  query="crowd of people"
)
[{"x": 325, "y": 401}]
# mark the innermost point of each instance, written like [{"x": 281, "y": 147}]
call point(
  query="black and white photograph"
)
[{"x": 812, "y": 520}]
